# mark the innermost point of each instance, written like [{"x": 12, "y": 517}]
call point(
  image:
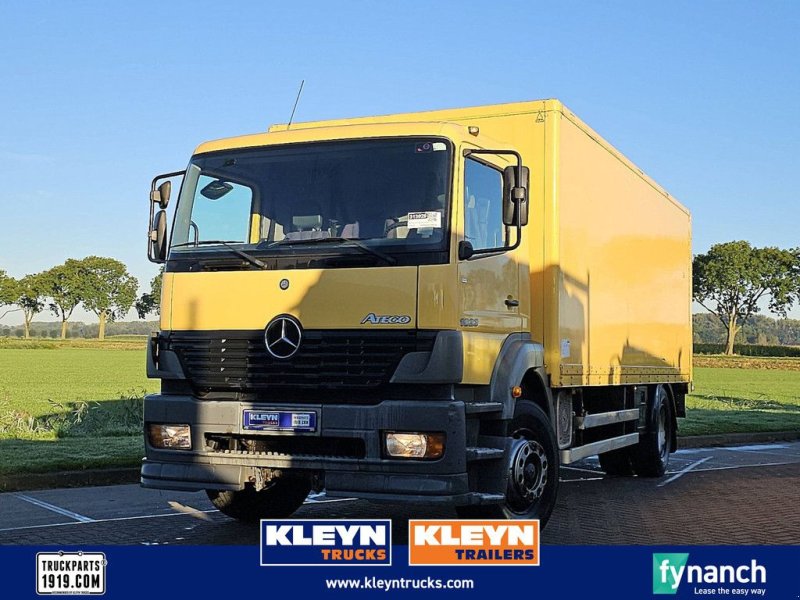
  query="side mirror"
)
[
  {"x": 164, "y": 191},
  {"x": 515, "y": 193},
  {"x": 158, "y": 237},
  {"x": 160, "y": 195}
]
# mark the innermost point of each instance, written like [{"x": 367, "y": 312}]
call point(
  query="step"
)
[
  {"x": 484, "y": 498},
  {"x": 484, "y": 454},
  {"x": 483, "y": 407}
]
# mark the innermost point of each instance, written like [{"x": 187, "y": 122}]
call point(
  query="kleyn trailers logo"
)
[
  {"x": 473, "y": 542},
  {"x": 319, "y": 542},
  {"x": 671, "y": 570}
]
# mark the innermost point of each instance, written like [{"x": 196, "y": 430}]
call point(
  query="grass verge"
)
[{"x": 43, "y": 454}]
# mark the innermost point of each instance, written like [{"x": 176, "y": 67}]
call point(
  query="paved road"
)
[{"x": 734, "y": 495}]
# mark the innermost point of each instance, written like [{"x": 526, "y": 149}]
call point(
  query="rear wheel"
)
[
  {"x": 279, "y": 499},
  {"x": 532, "y": 465},
  {"x": 617, "y": 463},
  {"x": 651, "y": 456}
]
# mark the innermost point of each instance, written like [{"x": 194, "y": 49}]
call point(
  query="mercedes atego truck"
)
[{"x": 433, "y": 307}]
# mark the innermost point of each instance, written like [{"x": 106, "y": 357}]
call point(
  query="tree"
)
[
  {"x": 107, "y": 288},
  {"x": 732, "y": 279},
  {"x": 63, "y": 286},
  {"x": 8, "y": 291},
  {"x": 30, "y": 298},
  {"x": 151, "y": 303}
]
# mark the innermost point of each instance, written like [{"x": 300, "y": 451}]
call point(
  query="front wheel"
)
[
  {"x": 279, "y": 499},
  {"x": 532, "y": 470}
]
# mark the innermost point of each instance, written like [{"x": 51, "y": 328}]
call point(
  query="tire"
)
[
  {"x": 617, "y": 463},
  {"x": 279, "y": 500},
  {"x": 533, "y": 470},
  {"x": 651, "y": 456}
]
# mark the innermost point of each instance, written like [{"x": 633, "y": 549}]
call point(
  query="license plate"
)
[{"x": 279, "y": 420}]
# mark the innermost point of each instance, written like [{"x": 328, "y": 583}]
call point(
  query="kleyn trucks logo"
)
[
  {"x": 466, "y": 542},
  {"x": 318, "y": 542},
  {"x": 670, "y": 571}
]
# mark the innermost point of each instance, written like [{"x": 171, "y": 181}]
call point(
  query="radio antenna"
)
[{"x": 296, "y": 100}]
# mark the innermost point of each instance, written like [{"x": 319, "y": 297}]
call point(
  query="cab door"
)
[{"x": 489, "y": 283}]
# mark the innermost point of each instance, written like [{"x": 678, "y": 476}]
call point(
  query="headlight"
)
[
  {"x": 170, "y": 437},
  {"x": 414, "y": 445}
]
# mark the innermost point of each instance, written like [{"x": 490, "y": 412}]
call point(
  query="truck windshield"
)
[{"x": 389, "y": 195}]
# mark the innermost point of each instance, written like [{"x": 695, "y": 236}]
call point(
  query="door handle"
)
[{"x": 511, "y": 302}]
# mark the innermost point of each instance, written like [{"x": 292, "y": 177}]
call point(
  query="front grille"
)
[
  {"x": 333, "y": 360},
  {"x": 286, "y": 446}
]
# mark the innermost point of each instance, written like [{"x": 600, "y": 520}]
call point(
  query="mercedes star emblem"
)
[{"x": 282, "y": 336}]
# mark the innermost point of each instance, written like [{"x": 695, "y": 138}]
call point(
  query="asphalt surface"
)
[{"x": 730, "y": 495}]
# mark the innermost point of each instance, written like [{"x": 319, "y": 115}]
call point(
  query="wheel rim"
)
[
  {"x": 663, "y": 441},
  {"x": 527, "y": 473}
]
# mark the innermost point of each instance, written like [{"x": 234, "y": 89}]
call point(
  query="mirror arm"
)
[
  {"x": 517, "y": 201},
  {"x": 500, "y": 249}
]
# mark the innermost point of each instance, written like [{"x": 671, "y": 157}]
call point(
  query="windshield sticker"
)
[
  {"x": 421, "y": 220},
  {"x": 425, "y": 147}
]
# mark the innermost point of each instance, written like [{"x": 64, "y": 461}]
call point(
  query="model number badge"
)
[{"x": 374, "y": 319}]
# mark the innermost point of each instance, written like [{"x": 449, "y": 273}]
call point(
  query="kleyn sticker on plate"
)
[
  {"x": 279, "y": 420},
  {"x": 71, "y": 573},
  {"x": 421, "y": 220}
]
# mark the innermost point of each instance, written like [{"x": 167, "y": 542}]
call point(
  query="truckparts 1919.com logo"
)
[
  {"x": 319, "y": 542},
  {"x": 672, "y": 570}
]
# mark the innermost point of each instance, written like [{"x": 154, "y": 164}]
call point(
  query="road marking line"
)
[
  {"x": 778, "y": 464},
  {"x": 111, "y": 520},
  {"x": 756, "y": 448},
  {"x": 581, "y": 479},
  {"x": 53, "y": 508},
  {"x": 313, "y": 501},
  {"x": 114, "y": 519},
  {"x": 684, "y": 471}
]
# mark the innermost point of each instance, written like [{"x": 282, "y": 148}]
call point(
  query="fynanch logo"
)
[
  {"x": 670, "y": 570},
  {"x": 667, "y": 569},
  {"x": 374, "y": 319}
]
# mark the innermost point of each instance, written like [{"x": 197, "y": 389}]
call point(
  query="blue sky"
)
[{"x": 97, "y": 97}]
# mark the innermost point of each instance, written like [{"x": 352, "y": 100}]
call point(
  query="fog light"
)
[
  {"x": 414, "y": 445},
  {"x": 170, "y": 437}
]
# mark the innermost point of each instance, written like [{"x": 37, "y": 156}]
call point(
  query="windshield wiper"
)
[
  {"x": 248, "y": 257},
  {"x": 338, "y": 240}
]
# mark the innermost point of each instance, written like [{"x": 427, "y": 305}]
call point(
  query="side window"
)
[
  {"x": 483, "y": 206},
  {"x": 219, "y": 214}
]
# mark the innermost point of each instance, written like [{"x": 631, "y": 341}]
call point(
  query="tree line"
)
[
  {"x": 101, "y": 285},
  {"x": 757, "y": 330},
  {"x": 733, "y": 281}
]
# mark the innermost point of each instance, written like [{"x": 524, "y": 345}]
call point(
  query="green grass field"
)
[
  {"x": 71, "y": 405},
  {"x": 741, "y": 400},
  {"x": 29, "y": 378},
  {"x": 76, "y": 404}
]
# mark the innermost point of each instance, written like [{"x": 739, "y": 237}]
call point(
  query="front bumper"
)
[{"x": 373, "y": 476}]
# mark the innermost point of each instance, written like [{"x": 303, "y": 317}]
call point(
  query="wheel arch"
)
[{"x": 521, "y": 363}]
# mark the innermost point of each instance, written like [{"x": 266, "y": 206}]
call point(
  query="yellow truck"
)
[{"x": 433, "y": 307}]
